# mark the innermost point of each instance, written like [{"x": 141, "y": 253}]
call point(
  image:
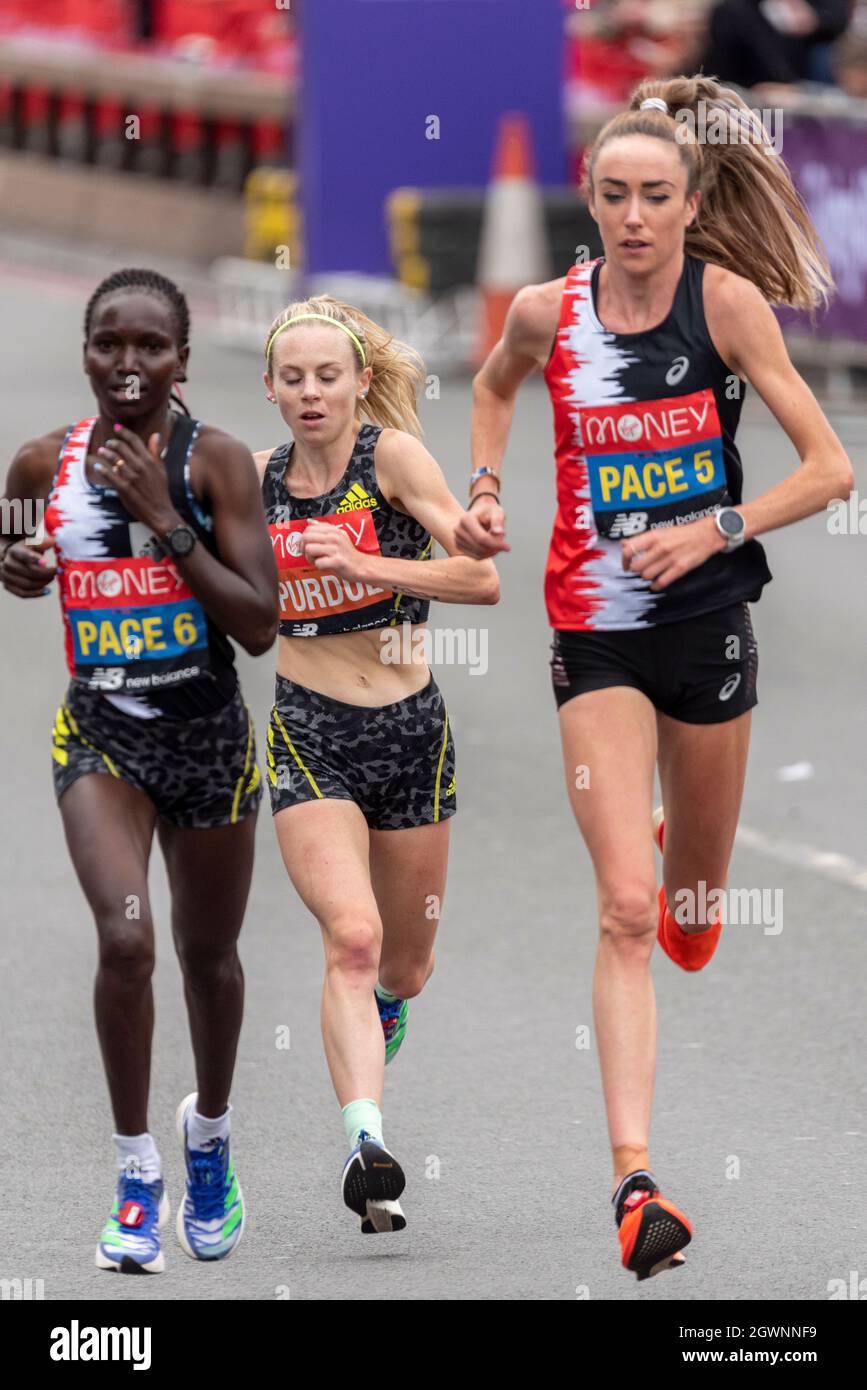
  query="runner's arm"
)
[
  {"x": 749, "y": 339},
  {"x": 238, "y": 590},
  {"x": 24, "y": 572},
  {"x": 412, "y": 480},
  {"x": 524, "y": 346}
]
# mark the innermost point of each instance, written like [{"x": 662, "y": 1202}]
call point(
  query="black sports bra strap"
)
[{"x": 175, "y": 458}]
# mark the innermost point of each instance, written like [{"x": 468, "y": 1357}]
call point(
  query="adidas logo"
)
[
  {"x": 450, "y": 788},
  {"x": 357, "y": 500}
]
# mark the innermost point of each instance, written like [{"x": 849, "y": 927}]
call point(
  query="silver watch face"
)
[{"x": 731, "y": 522}]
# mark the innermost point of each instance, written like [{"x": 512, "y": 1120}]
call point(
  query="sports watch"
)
[
  {"x": 732, "y": 526},
  {"x": 179, "y": 541}
]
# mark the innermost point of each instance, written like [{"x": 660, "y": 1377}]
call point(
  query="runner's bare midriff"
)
[{"x": 374, "y": 667}]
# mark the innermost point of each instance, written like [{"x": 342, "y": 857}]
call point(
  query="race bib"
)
[
  {"x": 307, "y": 593},
  {"x": 653, "y": 463},
  {"x": 134, "y": 624}
]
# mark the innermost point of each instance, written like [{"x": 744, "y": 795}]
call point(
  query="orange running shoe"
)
[
  {"x": 689, "y": 950},
  {"x": 651, "y": 1229}
]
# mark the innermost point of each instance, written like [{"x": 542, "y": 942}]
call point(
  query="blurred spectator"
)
[
  {"x": 619, "y": 42},
  {"x": 849, "y": 64},
  {"x": 773, "y": 41}
]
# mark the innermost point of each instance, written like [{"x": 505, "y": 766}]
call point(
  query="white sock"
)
[
  {"x": 200, "y": 1128},
  {"x": 141, "y": 1149}
]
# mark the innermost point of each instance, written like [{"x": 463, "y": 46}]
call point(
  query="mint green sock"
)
[
  {"x": 384, "y": 994},
  {"x": 359, "y": 1115}
]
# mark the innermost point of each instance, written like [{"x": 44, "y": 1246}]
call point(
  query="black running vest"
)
[
  {"x": 134, "y": 630},
  {"x": 645, "y": 437},
  {"x": 313, "y": 602}
]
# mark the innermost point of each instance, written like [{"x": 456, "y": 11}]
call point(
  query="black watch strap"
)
[{"x": 495, "y": 495}]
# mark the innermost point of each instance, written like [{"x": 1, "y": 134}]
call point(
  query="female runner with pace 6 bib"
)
[
  {"x": 162, "y": 552},
  {"x": 361, "y": 762},
  {"x": 653, "y": 559}
]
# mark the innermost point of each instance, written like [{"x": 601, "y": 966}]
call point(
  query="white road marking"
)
[{"x": 829, "y": 863}]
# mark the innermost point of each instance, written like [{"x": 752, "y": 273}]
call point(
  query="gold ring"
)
[{"x": 117, "y": 465}]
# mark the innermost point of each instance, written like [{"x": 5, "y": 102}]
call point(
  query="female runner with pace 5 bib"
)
[
  {"x": 361, "y": 762},
  {"x": 653, "y": 557},
  {"x": 162, "y": 554}
]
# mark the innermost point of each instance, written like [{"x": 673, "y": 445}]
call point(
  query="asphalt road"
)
[{"x": 495, "y": 1114}]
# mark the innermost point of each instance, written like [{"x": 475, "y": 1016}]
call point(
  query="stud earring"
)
[{"x": 273, "y": 400}]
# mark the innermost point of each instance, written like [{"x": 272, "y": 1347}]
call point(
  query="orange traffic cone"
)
[{"x": 514, "y": 243}]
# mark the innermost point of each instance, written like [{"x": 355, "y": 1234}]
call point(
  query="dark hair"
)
[{"x": 150, "y": 282}]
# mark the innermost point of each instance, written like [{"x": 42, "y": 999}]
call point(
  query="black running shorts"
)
[
  {"x": 701, "y": 670},
  {"x": 396, "y": 762},
  {"x": 198, "y": 772}
]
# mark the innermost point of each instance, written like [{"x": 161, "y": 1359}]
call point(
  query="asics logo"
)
[
  {"x": 730, "y": 687},
  {"x": 677, "y": 371}
]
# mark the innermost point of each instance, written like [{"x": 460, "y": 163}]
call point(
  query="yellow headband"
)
[{"x": 326, "y": 318}]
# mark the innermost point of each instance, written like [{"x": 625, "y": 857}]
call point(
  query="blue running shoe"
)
[
  {"x": 392, "y": 1016},
  {"x": 372, "y": 1182},
  {"x": 130, "y": 1239},
  {"x": 211, "y": 1215}
]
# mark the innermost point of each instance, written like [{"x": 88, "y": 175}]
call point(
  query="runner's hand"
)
[
  {"x": 24, "y": 571},
  {"x": 481, "y": 532},
  {"x": 329, "y": 548},
  {"x": 667, "y": 553},
  {"x": 138, "y": 475}
]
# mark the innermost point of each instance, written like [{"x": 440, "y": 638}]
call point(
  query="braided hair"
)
[{"x": 149, "y": 282}]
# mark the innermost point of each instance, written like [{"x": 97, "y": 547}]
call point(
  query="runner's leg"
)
[
  {"x": 109, "y": 830},
  {"x": 702, "y": 768},
  {"x": 408, "y": 872},
  {"x": 326, "y": 849},
  {"x": 612, "y": 732},
  {"x": 209, "y": 874}
]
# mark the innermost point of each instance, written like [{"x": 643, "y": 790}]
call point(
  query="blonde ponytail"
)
[
  {"x": 750, "y": 218},
  {"x": 398, "y": 370}
]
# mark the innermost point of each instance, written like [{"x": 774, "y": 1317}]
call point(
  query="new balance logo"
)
[
  {"x": 357, "y": 499},
  {"x": 628, "y": 524}
]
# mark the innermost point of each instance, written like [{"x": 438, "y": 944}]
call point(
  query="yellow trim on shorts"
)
[
  {"x": 440, "y": 769},
  {"x": 237, "y": 797},
  {"x": 63, "y": 723},
  {"x": 292, "y": 749},
  {"x": 269, "y": 754},
  {"x": 393, "y": 622}
]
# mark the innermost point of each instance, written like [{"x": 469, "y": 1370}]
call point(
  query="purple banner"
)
[
  {"x": 397, "y": 92},
  {"x": 828, "y": 162}
]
